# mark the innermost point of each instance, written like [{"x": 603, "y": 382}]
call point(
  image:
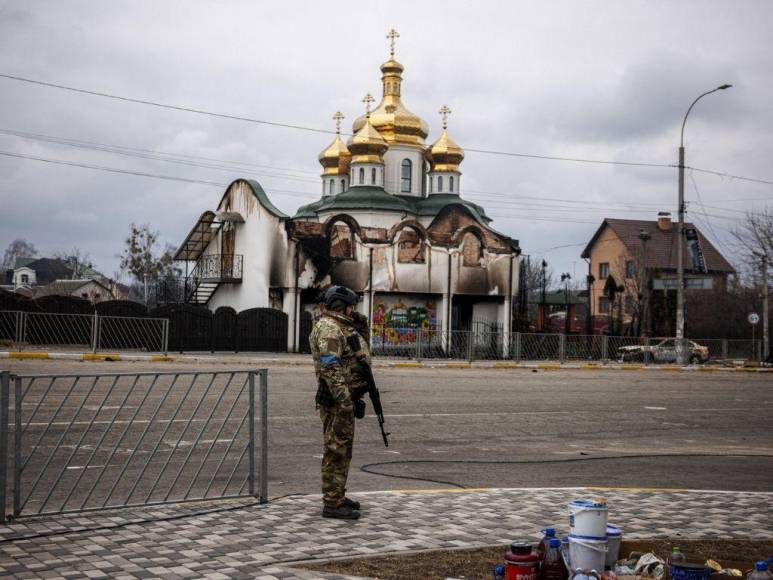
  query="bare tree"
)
[
  {"x": 19, "y": 248},
  {"x": 754, "y": 239},
  {"x": 144, "y": 260}
]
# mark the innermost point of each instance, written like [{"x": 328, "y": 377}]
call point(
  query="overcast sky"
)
[{"x": 600, "y": 80}]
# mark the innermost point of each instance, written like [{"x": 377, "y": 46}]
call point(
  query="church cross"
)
[
  {"x": 444, "y": 112},
  {"x": 391, "y": 35},
  {"x": 368, "y": 99},
  {"x": 338, "y": 117}
]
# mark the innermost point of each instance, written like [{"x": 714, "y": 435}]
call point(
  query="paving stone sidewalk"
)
[{"x": 250, "y": 541}]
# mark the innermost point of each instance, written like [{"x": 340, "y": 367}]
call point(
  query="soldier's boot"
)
[
  {"x": 354, "y": 504},
  {"x": 342, "y": 512}
]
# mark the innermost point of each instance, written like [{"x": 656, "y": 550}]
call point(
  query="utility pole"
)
[
  {"x": 543, "y": 307},
  {"x": 765, "y": 335},
  {"x": 680, "y": 350}
]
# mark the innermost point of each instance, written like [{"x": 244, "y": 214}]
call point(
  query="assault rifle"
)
[{"x": 363, "y": 369}]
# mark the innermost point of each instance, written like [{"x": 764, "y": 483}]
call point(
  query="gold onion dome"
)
[
  {"x": 390, "y": 118},
  {"x": 367, "y": 145},
  {"x": 444, "y": 154},
  {"x": 336, "y": 157}
]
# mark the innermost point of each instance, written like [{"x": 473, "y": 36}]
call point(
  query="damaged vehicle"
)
[{"x": 662, "y": 352}]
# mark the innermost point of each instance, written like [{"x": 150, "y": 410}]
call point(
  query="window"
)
[
  {"x": 472, "y": 250},
  {"x": 406, "y": 170},
  {"x": 451, "y": 184},
  {"x": 630, "y": 271},
  {"x": 341, "y": 242},
  {"x": 362, "y": 175},
  {"x": 330, "y": 187},
  {"x": 629, "y": 304},
  {"x": 343, "y": 185},
  {"x": 373, "y": 176},
  {"x": 410, "y": 249},
  {"x": 25, "y": 279},
  {"x": 440, "y": 183},
  {"x": 603, "y": 270},
  {"x": 603, "y": 305}
]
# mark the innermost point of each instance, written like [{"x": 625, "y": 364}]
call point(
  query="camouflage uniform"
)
[{"x": 334, "y": 362}]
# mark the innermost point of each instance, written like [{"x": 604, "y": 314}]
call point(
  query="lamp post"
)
[
  {"x": 680, "y": 235},
  {"x": 567, "y": 323}
]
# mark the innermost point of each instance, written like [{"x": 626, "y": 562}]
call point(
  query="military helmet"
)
[{"x": 338, "y": 297}]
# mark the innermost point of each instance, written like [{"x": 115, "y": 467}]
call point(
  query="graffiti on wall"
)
[{"x": 396, "y": 319}]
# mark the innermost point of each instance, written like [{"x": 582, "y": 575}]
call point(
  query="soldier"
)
[{"x": 339, "y": 394}]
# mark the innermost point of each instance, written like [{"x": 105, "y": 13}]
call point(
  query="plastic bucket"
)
[
  {"x": 587, "y": 554},
  {"x": 614, "y": 537},
  {"x": 588, "y": 518}
]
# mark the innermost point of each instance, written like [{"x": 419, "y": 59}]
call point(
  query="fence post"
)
[
  {"x": 418, "y": 343},
  {"x": 470, "y": 346},
  {"x": 251, "y": 413},
  {"x": 5, "y": 377},
  {"x": 94, "y": 326},
  {"x": 21, "y": 329},
  {"x": 165, "y": 337},
  {"x": 17, "y": 447},
  {"x": 604, "y": 347},
  {"x": 724, "y": 349},
  {"x": 561, "y": 348},
  {"x": 263, "y": 497},
  {"x": 517, "y": 347}
]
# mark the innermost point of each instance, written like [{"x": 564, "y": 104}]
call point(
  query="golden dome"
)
[
  {"x": 367, "y": 145},
  {"x": 444, "y": 154},
  {"x": 336, "y": 157},
  {"x": 390, "y": 118}
]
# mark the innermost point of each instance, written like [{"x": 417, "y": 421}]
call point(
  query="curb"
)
[
  {"x": 86, "y": 356},
  {"x": 408, "y": 364}
]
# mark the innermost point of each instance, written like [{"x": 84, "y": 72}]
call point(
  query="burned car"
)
[{"x": 662, "y": 352}]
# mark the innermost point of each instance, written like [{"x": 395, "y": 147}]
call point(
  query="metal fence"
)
[
  {"x": 88, "y": 331},
  {"x": 98, "y": 441},
  {"x": 484, "y": 345}
]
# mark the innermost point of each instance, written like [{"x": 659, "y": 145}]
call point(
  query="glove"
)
[{"x": 359, "y": 408}]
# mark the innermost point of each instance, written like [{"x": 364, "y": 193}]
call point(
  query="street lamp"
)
[
  {"x": 680, "y": 236},
  {"x": 565, "y": 278}
]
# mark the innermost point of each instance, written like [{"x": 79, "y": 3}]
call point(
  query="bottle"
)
[
  {"x": 499, "y": 572},
  {"x": 760, "y": 571},
  {"x": 677, "y": 557},
  {"x": 553, "y": 567},
  {"x": 542, "y": 547}
]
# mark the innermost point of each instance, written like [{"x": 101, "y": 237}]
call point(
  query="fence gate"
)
[{"x": 97, "y": 441}]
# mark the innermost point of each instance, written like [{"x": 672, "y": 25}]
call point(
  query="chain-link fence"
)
[
  {"x": 86, "y": 331},
  {"x": 485, "y": 345}
]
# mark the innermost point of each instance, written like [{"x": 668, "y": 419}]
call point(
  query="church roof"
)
[{"x": 377, "y": 199}]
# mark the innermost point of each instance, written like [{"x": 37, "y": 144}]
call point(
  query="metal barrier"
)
[
  {"x": 98, "y": 441},
  {"x": 88, "y": 331}
]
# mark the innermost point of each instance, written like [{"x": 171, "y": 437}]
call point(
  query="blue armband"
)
[{"x": 329, "y": 359}]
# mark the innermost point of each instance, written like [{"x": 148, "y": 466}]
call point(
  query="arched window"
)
[
  {"x": 373, "y": 176},
  {"x": 330, "y": 187},
  {"x": 451, "y": 183},
  {"x": 406, "y": 174},
  {"x": 343, "y": 185},
  {"x": 472, "y": 250},
  {"x": 410, "y": 248},
  {"x": 440, "y": 183},
  {"x": 362, "y": 175},
  {"x": 341, "y": 242}
]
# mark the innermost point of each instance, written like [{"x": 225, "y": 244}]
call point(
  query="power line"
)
[{"x": 330, "y": 132}]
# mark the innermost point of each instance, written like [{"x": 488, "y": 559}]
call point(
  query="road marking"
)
[
  {"x": 656, "y": 408},
  {"x": 86, "y": 466}
]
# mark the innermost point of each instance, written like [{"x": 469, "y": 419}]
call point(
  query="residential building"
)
[{"x": 639, "y": 257}]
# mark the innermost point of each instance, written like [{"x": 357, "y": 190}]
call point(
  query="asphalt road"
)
[{"x": 468, "y": 427}]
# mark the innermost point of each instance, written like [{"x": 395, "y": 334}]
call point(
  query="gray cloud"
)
[{"x": 601, "y": 79}]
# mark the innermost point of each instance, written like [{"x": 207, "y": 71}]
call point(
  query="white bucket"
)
[
  {"x": 588, "y": 518},
  {"x": 614, "y": 537},
  {"x": 587, "y": 554}
]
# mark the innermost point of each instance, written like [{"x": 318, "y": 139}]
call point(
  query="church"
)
[{"x": 391, "y": 224}]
